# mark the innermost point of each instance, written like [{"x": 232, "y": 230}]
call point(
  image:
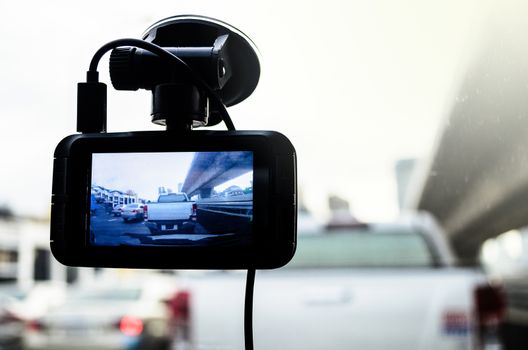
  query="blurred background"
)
[{"x": 399, "y": 111}]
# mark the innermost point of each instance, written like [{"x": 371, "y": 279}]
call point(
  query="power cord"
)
[{"x": 248, "y": 310}]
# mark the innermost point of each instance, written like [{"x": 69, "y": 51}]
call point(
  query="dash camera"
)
[{"x": 180, "y": 198}]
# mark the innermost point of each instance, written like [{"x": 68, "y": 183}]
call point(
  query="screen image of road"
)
[{"x": 171, "y": 198}]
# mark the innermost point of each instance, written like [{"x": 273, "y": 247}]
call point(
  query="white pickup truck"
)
[
  {"x": 172, "y": 212},
  {"x": 390, "y": 286}
]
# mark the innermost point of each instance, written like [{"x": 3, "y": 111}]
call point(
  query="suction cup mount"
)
[{"x": 221, "y": 55}]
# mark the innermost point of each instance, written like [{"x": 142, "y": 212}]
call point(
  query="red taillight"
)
[
  {"x": 131, "y": 326},
  {"x": 180, "y": 307},
  {"x": 490, "y": 302},
  {"x": 145, "y": 212},
  {"x": 35, "y": 326},
  {"x": 134, "y": 210},
  {"x": 490, "y": 307},
  {"x": 194, "y": 208}
]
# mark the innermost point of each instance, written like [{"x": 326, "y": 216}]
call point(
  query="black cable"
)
[
  {"x": 248, "y": 310},
  {"x": 92, "y": 75}
]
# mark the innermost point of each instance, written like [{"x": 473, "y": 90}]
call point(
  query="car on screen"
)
[
  {"x": 133, "y": 211},
  {"x": 170, "y": 213},
  {"x": 118, "y": 209}
]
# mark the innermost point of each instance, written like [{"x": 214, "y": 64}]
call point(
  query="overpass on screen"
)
[
  {"x": 210, "y": 169},
  {"x": 220, "y": 213}
]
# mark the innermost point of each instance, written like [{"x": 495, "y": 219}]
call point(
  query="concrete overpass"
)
[
  {"x": 477, "y": 181},
  {"x": 210, "y": 169}
]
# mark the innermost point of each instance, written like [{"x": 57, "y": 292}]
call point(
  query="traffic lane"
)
[
  {"x": 197, "y": 239},
  {"x": 111, "y": 230}
]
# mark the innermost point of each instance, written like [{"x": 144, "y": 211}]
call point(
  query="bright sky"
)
[
  {"x": 140, "y": 172},
  {"x": 144, "y": 173},
  {"x": 243, "y": 181},
  {"x": 355, "y": 85}
]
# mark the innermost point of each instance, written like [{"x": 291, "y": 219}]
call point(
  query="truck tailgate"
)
[
  {"x": 341, "y": 309},
  {"x": 169, "y": 211}
]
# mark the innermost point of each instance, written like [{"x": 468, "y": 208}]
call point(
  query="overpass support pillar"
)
[{"x": 206, "y": 192}]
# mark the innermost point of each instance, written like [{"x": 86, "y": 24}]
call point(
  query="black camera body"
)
[
  {"x": 226, "y": 228},
  {"x": 175, "y": 199}
]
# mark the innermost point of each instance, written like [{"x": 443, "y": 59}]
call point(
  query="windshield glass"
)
[
  {"x": 362, "y": 249},
  {"x": 172, "y": 198}
]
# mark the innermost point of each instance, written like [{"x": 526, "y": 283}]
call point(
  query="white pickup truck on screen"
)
[
  {"x": 376, "y": 286},
  {"x": 170, "y": 213}
]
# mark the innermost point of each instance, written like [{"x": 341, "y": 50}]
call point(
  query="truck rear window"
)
[
  {"x": 362, "y": 249},
  {"x": 172, "y": 198}
]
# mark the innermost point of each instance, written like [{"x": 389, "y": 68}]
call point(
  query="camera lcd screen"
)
[{"x": 171, "y": 199}]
